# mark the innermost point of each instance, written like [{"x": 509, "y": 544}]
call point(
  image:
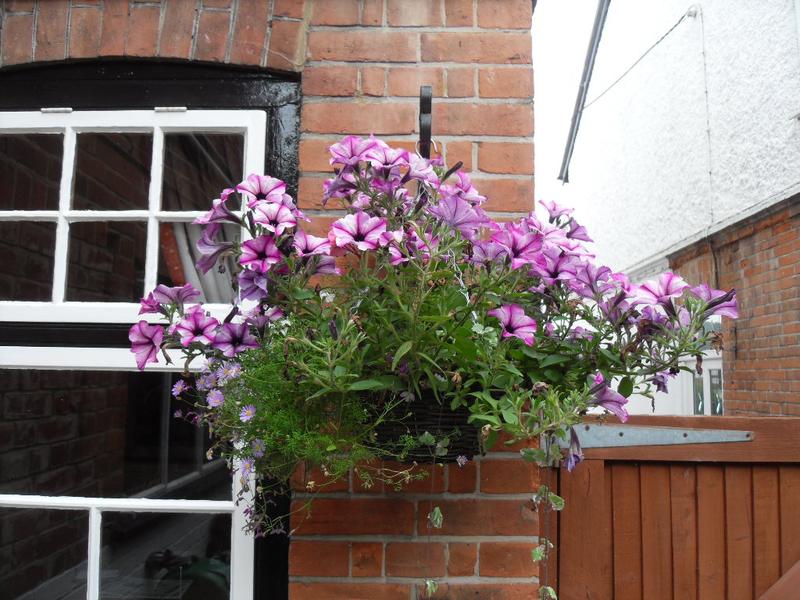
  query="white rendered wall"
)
[{"x": 655, "y": 164}]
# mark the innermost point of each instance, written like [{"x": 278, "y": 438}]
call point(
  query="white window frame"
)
[{"x": 252, "y": 124}]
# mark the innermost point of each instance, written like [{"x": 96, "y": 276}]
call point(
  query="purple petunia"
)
[
  {"x": 612, "y": 401},
  {"x": 719, "y": 302},
  {"x": 219, "y": 213},
  {"x": 215, "y": 398},
  {"x": 460, "y": 214},
  {"x": 210, "y": 248},
  {"x": 515, "y": 322},
  {"x": 196, "y": 326},
  {"x": 178, "y": 295},
  {"x": 523, "y": 247},
  {"x": 275, "y": 217},
  {"x": 252, "y": 285},
  {"x": 357, "y": 231},
  {"x": 574, "y": 453},
  {"x": 306, "y": 244},
  {"x": 554, "y": 211},
  {"x": 661, "y": 291},
  {"x": 247, "y": 413},
  {"x": 145, "y": 342},
  {"x": 258, "y": 188},
  {"x": 233, "y": 338},
  {"x": 260, "y": 254},
  {"x": 352, "y": 150}
]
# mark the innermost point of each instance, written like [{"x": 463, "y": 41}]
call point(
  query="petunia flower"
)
[
  {"x": 612, "y": 401},
  {"x": 210, "y": 248},
  {"x": 523, "y": 247},
  {"x": 554, "y": 211},
  {"x": 247, "y": 413},
  {"x": 149, "y": 304},
  {"x": 352, "y": 150},
  {"x": 258, "y": 188},
  {"x": 574, "y": 453},
  {"x": 661, "y": 291},
  {"x": 359, "y": 230},
  {"x": 719, "y": 302},
  {"x": 145, "y": 342},
  {"x": 275, "y": 217},
  {"x": 591, "y": 281},
  {"x": 515, "y": 322},
  {"x": 261, "y": 315},
  {"x": 459, "y": 214},
  {"x": 252, "y": 285},
  {"x": 578, "y": 232},
  {"x": 175, "y": 295},
  {"x": 233, "y": 338},
  {"x": 487, "y": 252},
  {"x": 306, "y": 244},
  {"x": 215, "y": 398},
  {"x": 660, "y": 381},
  {"x": 196, "y": 326},
  {"x": 219, "y": 213},
  {"x": 260, "y": 254}
]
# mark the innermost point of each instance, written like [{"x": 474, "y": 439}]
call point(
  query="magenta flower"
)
[
  {"x": 421, "y": 170},
  {"x": 515, "y": 322},
  {"x": 591, "y": 281},
  {"x": 578, "y": 232},
  {"x": 324, "y": 265},
  {"x": 219, "y": 213},
  {"x": 234, "y": 338},
  {"x": 247, "y": 413},
  {"x": 175, "y": 295},
  {"x": 149, "y": 305},
  {"x": 145, "y": 342},
  {"x": 260, "y": 254},
  {"x": 180, "y": 387},
  {"x": 257, "y": 188},
  {"x": 210, "y": 248},
  {"x": 557, "y": 266},
  {"x": 215, "y": 398},
  {"x": 661, "y": 291},
  {"x": 252, "y": 285},
  {"x": 307, "y": 245},
  {"x": 459, "y": 214},
  {"x": 388, "y": 160},
  {"x": 352, "y": 150},
  {"x": 554, "y": 210},
  {"x": 274, "y": 217},
  {"x": 464, "y": 188},
  {"x": 522, "y": 246},
  {"x": 487, "y": 252},
  {"x": 196, "y": 326},
  {"x": 612, "y": 401},
  {"x": 261, "y": 315},
  {"x": 359, "y": 230},
  {"x": 718, "y": 302}
]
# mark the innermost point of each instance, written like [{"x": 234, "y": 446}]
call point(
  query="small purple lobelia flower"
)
[
  {"x": 258, "y": 188},
  {"x": 275, "y": 217},
  {"x": 247, "y": 413},
  {"x": 180, "y": 387},
  {"x": 247, "y": 467},
  {"x": 260, "y": 254},
  {"x": 719, "y": 302},
  {"x": 215, "y": 398},
  {"x": 461, "y": 460},
  {"x": 196, "y": 326},
  {"x": 357, "y": 231},
  {"x": 661, "y": 291},
  {"x": 258, "y": 447},
  {"x": 459, "y": 214},
  {"x": 233, "y": 338},
  {"x": 515, "y": 322},
  {"x": 145, "y": 342}
]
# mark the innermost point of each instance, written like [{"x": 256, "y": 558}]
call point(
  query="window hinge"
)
[
  {"x": 56, "y": 109},
  {"x": 170, "y": 109}
]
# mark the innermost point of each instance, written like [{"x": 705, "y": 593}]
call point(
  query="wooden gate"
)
[{"x": 685, "y": 522}]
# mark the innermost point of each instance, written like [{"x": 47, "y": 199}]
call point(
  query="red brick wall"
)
[
  {"x": 362, "y": 62},
  {"x": 761, "y": 259}
]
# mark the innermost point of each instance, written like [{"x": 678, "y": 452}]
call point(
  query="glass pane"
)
[
  {"x": 716, "y": 391},
  {"x": 112, "y": 171},
  {"x": 198, "y": 166},
  {"x": 106, "y": 261},
  {"x": 30, "y": 170},
  {"x": 165, "y": 557},
  {"x": 100, "y": 433},
  {"x": 43, "y": 554},
  {"x": 699, "y": 395},
  {"x": 178, "y": 254},
  {"x": 26, "y": 260}
]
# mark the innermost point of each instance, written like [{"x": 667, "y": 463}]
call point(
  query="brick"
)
[
  {"x": 314, "y": 156},
  {"x": 511, "y": 82},
  {"x": 17, "y": 39},
  {"x": 250, "y": 32},
  {"x": 363, "y": 46},
  {"x": 359, "y": 118},
  {"x": 313, "y": 479},
  {"x": 460, "y": 82},
  {"x": 462, "y": 480},
  {"x": 356, "y": 516},
  {"x": 309, "y": 193},
  {"x": 348, "y": 591},
  {"x": 287, "y": 8},
  {"x": 285, "y": 45},
  {"x": 432, "y": 481},
  {"x": 414, "y": 13},
  {"x": 51, "y": 31},
  {"x": 505, "y": 14},
  {"x": 373, "y": 81},
  {"x": 483, "y": 119},
  {"x": 467, "y": 591},
  {"x": 176, "y": 34},
  {"x": 406, "y": 81},
  {"x": 461, "y": 559},
  {"x": 143, "y": 31},
  {"x": 212, "y": 36},
  {"x": 507, "y": 559},
  {"x": 217, "y": 3},
  {"x": 335, "y": 12},
  {"x": 506, "y": 195},
  {"x": 372, "y": 13},
  {"x": 330, "y": 81},
  {"x": 458, "y": 13},
  {"x": 318, "y": 559},
  {"x": 366, "y": 559},
  {"x": 512, "y": 476},
  {"x": 415, "y": 559},
  {"x": 19, "y": 6},
  {"x": 472, "y": 516},
  {"x": 503, "y": 157},
  {"x": 483, "y": 47}
]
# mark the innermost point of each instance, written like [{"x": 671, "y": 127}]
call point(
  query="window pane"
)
[
  {"x": 716, "y": 391},
  {"x": 161, "y": 557},
  {"x": 43, "y": 554},
  {"x": 106, "y": 261},
  {"x": 26, "y": 260},
  {"x": 112, "y": 171},
  {"x": 699, "y": 395},
  {"x": 30, "y": 171},
  {"x": 100, "y": 433},
  {"x": 198, "y": 166},
  {"x": 178, "y": 255}
]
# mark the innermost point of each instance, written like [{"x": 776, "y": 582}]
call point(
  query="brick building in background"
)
[{"x": 360, "y": 64}]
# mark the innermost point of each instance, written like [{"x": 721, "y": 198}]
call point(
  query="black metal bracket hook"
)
[{"x": 425, "y": 120}]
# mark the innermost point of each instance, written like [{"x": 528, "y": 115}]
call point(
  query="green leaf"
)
[
  {"x": 553, "y": 359},
  {"x": 538, "y": 554},
  {"x": 509, "y": 416},
  {"x": 553, "y": 375},
  {"x": 427, "y": 439},
  {"x": 401, "y": 352},
  {"x": 547, "y": 593},
  {"x": 625, "y": 386},
  {"x": 303, "y": 294},
  {"x": 534, "y": 455},
  {"x": 431, "y": 585},
  {"x": 435, "y": 518},
  {"x": 330, "y": 448},
  {"x": 557, "y": 502},
  {"x": 339, "y": 371},
  {"x": 490, "y": 440},
  {"x": 614, "y": 359},
  {"x": 384, "y": 383}
]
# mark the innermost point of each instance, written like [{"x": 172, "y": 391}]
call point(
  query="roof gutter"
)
[{"x": 580, "y": 101}]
